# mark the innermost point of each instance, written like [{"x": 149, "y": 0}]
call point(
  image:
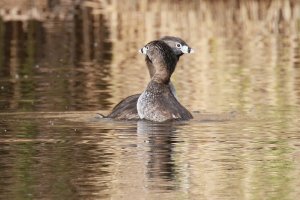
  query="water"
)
[{"x": 242, "y": 86}]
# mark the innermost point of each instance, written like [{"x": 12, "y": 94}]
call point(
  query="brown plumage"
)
[
  {"x": 126, "y": 109},
  {"x": 157, "y": 102}
]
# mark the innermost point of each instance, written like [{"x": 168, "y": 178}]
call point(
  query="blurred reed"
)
[
  {"x": 246, "y": 50},
  {"x": 238, "y": 44}
]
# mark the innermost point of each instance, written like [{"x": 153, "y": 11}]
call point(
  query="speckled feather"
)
[{"x": 158, "y": 103}]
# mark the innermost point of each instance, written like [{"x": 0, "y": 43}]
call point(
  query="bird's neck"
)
[
  {"x": 162, "y": 75},
  {"x": 150, "y": 66}
]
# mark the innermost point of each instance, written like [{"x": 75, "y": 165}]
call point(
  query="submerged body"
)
[
  {"x": 127, "y": 108},
  {"x": 157, "y": 102}
]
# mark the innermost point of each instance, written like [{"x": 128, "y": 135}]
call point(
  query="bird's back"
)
[{"x": 126, "y": 109}]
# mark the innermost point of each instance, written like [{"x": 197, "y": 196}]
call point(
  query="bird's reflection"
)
[{"x": 159, "y": 139}]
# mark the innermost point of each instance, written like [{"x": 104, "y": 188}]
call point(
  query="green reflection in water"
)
[
  {"x": 272, "y": 177},
  {"x": 2, "y": 30}
]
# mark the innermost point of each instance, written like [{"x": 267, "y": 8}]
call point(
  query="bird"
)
[
  {"x": 158, "y": 103},
  {"x": 127, "y": 108}
]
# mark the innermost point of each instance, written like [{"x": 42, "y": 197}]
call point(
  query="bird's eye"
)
[
  {"x": 147, "y": 47},
  {"x": 178, "y": 45}
]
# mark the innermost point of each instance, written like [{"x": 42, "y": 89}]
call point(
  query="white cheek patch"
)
[
  {"x": 143, "y": 50},
  {"x": 186, "y": 49}
]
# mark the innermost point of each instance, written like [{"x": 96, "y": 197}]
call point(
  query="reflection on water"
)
[
  {"x": 60, "y": 66},
  {"x": 89, "y": 61},
  {"x": 54, "y": 65},
  {"x": 63, "y": 155}
]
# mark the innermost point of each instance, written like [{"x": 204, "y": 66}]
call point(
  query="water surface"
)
[{"x": 242, "y": 86}]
